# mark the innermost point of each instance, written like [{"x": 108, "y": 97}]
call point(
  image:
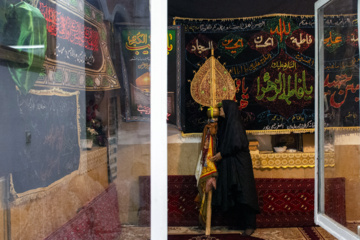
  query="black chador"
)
[{"x": 236, "y": 193}]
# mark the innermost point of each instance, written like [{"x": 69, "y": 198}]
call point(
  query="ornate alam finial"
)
[{"x": 207, "y": 81}]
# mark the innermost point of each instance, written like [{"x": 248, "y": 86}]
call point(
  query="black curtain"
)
[{"x": 235, "y": 9}]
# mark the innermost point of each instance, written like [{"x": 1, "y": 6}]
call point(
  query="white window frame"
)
[
  {"x": 321, "y": 219},
  {"x": 158, "y": 12},
  {"x": 158, "y": 124}
]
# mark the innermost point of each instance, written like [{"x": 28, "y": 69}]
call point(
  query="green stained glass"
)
[
  {"x": 87, "y": 10},
  {"x": 98, "y": 17},
  {"x": 73, "y": 2},
  {"x": 105, "y": 83},
  {"x": 73, "y": 78},
  {"x": 89, "y": 81},
  {"x": 59, "y": 76},
  {"x": 109, "y": 69}
]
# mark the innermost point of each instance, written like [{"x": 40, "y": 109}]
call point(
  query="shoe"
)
[{"x": 248, "y": 232}]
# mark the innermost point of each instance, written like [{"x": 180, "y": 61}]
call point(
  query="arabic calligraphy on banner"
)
[
  {"x": 271, "y": 59},
  {"x": 77, "y": 55},
  {"x": 135, "y": 63}
]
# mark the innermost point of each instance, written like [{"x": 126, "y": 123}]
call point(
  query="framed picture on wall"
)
[{"x": 135, "y": 51}]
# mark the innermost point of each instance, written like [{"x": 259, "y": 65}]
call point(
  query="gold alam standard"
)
[{"x": 211, "y": 84}]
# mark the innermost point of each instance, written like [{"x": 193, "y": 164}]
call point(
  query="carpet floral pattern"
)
[
  {"x": 307, "y": 233},
  {"x": 99, "y": 219},
  {"x": 283, "y": 202}
]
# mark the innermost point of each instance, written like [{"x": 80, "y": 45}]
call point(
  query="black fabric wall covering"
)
[{"x": 234, "y": 9}]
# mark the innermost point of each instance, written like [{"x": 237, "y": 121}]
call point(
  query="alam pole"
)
[{"x": 210, "y": 77}]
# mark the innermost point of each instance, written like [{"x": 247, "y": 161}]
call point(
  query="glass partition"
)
[
  {"x": 75, "y": 115},
  {"x": 337, "y": 132}
]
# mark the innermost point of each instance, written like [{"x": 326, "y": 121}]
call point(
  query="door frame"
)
[{"x": 334, "y": 228}]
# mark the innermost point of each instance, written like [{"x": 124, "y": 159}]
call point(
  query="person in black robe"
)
[{"x": 236, "y": 193}]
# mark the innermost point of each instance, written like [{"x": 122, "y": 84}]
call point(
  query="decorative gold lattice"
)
[
  {"x": 289, "y": 160},
  {"x": 212, "y": 84}
]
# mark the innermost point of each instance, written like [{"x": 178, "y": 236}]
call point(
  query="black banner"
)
[
  {"x": 135, "y": 54},
  {"x": 271, "y": 59},
  {"x": 52, "y": 150}
]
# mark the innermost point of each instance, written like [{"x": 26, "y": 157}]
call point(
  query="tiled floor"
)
[{"x": 143, "y": 233}]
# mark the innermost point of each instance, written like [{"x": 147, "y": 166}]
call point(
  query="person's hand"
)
[
  {"x": 210, "y": 184},
  {"x": 216, "y": 157}
]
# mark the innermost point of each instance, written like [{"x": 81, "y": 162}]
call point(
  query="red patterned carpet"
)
[
  {"x": 99, "y": 219},
  {"x": 131, "y": 232},
  {"x": 284, "y": 202},
  {"x": 212, "y": 237},
  {"x": 312, "y": 233}
]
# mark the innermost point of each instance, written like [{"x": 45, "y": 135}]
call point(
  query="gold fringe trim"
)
[
  {"x": 54, "y": 91},
  {"x": 289, "y": 160},
  {"x": 191, "y": 135},
  {"x": 41, "y": 192},
  {"x": 38, "y": 193},
  {"x": 252, "y": 17},
  {"x": 279, "y": 131},
  {"x": 89, "y": 160},
  {"x": 342, "y": 128},
  {"x": 240, "y": 18}
]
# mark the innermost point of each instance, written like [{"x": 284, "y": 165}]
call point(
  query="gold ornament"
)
[{"x": 212, "y": 83}]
